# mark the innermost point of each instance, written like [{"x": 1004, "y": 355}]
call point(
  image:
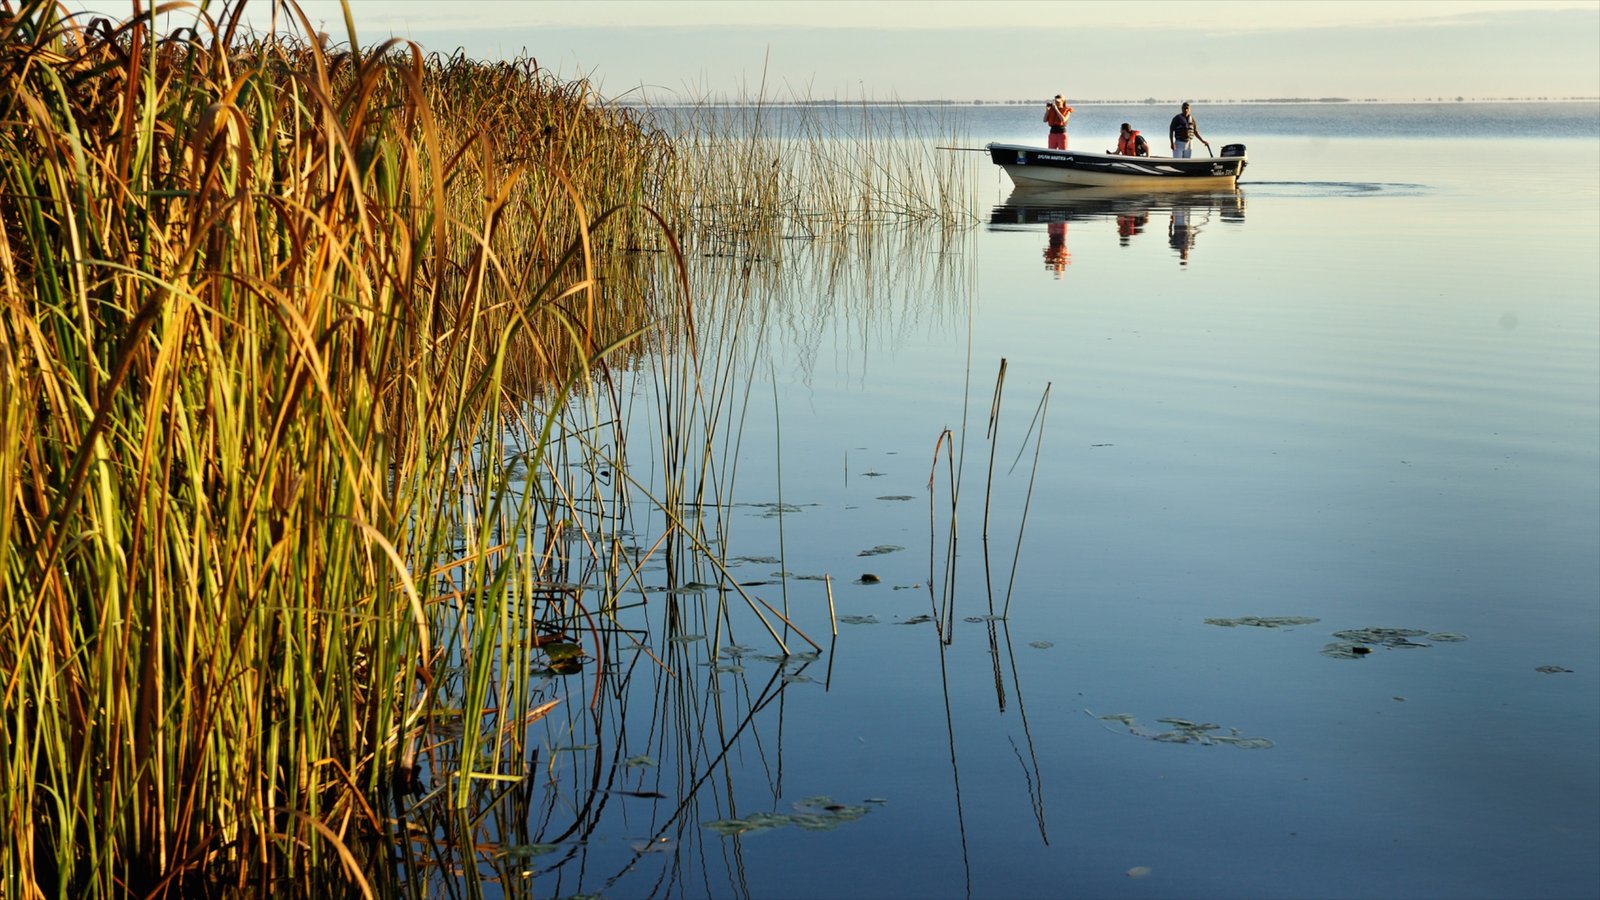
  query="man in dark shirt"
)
[{"x": 1181, "y": 132}]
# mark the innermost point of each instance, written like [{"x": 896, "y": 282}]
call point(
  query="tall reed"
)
[{"x": 270, "y": 311}]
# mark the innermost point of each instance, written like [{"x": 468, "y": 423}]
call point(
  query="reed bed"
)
[
  {"x": 751, "y": 173},
  {"x": 323, "y": 497},
  {"x": 280, "y": 320}
]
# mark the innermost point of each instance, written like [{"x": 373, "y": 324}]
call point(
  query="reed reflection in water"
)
[{"x": 660, "y": 747}]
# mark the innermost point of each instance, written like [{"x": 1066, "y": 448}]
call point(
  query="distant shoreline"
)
[{"x": 1298, "y": 101}]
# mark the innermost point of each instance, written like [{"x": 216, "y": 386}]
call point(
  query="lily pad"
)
[
  {"x": 1041, "y": 645},
  {"x": 1187, "y": 731},
  {"x": 1345, "y": 650},
  {"x": 1388, "y": 637},
  {"x": 686, "y": 638},
  {"x": 917, "y": 620},
  {"x": 859, "y": 620},
  {"x": 811, "y": 814},
  {"x": 561, "y": 650},
  {"x": 898, "y": 497},
  {"x": 640, "y": 762},
  {"x": 881, "y": 549},
  {"x": 1264, "y": 621},
  {"x": 1446, "y": 637},
  {"x": 526, "y": 851},
  {"x": 1553, "y": 670}
]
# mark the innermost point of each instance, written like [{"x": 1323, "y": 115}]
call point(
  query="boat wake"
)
[{"x": 1331, "y": 189}]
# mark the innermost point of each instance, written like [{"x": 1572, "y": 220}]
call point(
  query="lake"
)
[{"x": 1358, "y": 401}]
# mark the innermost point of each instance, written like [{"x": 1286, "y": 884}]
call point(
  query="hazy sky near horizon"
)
[{"x": 1013, "y": 49}]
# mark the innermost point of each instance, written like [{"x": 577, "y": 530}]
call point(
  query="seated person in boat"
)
[{"x": 1131, "y": 143}]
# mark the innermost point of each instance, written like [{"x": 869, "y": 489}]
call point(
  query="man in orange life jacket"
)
[
  {"x": 1056, "y": 114},
  {"x": 1131, "y": 143}
]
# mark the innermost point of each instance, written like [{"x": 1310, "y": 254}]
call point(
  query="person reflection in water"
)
[
  {"x": 1130, "y": 224},
  {"x": 1056, "y": 257},
  {"x": 1181, "y": 234}
]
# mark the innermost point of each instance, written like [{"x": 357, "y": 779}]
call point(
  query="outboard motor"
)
[{"x": 1232, "y": 149}]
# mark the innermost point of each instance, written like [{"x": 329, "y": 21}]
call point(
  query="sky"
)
[{"x": 995, "y": 50}]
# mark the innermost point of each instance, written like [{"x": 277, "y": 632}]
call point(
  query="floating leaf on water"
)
[
  {"x": 1041, "y": 645},
  {"x": 878, "y": 800},
  {"x": 1446, "y": 637},
  {"x": 872, "y": 474},
  {"x": 1553, "y": 670},
  {"x": 762, "y": 820},
  {"x": 686, "y": 638},
  {"x": 868, "y": 578},
  {"x": 735, "y": 650},
  {"x": 526, "y": 851},
  {"x": 1187, "y": 725},
  {"x": 1244, "y": 743},
  {"x": 561, "y": 650},
  {"x": 730, "y": 669},
  {"x": 988, "y": 618},
  {"x": 898, "y": 497},
  {"x": 1388, "y": 637},
  {"x": 1187, "y": 731},
  {"x": 916, "y": 620},
  {"x": 753, "y": 583},
  {"x": 859, "y": 620},
  {"x": 810, "y": 578},
  {"x": 1345, "y": 650},
  {"x": 640, "y": 762},
  {"x": 881, "y": 549},
  {"x": 1264, "y": 621},
  {"x": 565, "y": 666},
  {"x": 574, "y": 748},
  {"x": 690, "y": 589},
  {"x": 812, "y": 814},
  {"x": 792, "y": 678},
  {"x": 1139, "y": 871},
  {"x": 827, "y": 806},
  {"x": 758, "y": 560},
  {"x": 657, "y": 845}
]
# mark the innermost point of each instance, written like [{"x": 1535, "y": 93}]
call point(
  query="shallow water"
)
[{"x": 1365, "y": 390}]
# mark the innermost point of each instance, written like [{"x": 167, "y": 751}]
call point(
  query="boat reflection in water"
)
[{"x": 1187, "y": 214}]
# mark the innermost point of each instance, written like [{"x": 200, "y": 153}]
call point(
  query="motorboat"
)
[{"x": 1038, "y": 166}]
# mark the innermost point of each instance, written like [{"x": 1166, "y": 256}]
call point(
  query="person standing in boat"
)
[
  {"x": 1056, "y": 114},
  {"x": 1131, "y": 142},
  {"x": 1181, "y": 132}
]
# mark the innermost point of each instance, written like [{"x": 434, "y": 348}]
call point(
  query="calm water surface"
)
[{"x": 1364, "y": 391}]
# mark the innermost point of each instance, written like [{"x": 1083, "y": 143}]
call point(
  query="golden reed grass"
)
[{"x": 265, "y": 304}]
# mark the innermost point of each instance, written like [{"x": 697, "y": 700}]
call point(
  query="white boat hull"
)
[{"x": 1037, "y": 166}]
